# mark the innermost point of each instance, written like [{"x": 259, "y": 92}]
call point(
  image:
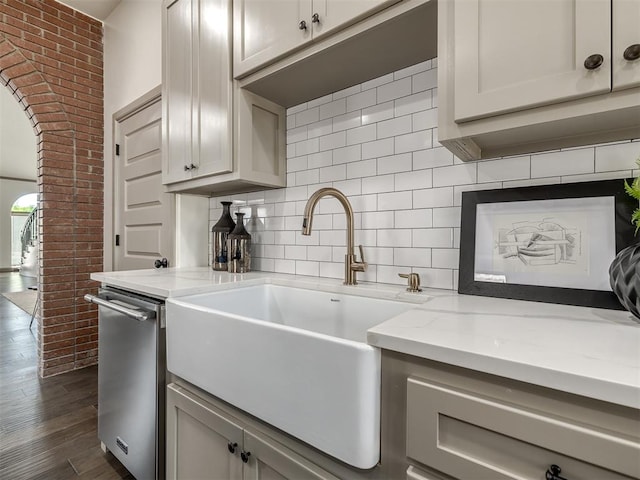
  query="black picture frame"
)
[{"x": 624, "y": 236}]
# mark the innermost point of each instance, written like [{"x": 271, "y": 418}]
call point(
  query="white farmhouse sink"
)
[{"x": 294, "y": 358}]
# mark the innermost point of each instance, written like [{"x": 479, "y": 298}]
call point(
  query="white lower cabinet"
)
[
  {"x": 461, "y": 424},
  {"x": 204, "y": 442}
]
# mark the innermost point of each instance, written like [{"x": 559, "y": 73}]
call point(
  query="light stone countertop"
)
[{"x": 586, "y": 351}]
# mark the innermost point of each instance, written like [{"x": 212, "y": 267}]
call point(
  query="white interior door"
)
[{"x": 143, "y": 212}]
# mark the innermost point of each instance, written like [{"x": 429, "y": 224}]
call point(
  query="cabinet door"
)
[
  {"x": 198, "y": 439},
  {"x": 213, "y": 112},
  {"x": 336, "y": 13},
  {"x": 268, "y": 460},
  {"x": 471, "y": 436},
  {"x": 265, "y": 30},
  {"x": 177, "y": 89},
  {"x": 260, "y": 139},
  {"x": 626, "y": 32},
  {"x": 513, "y": 55}
]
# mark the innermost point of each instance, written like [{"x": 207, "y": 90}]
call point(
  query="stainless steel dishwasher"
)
[{"x": 131, "y": 380}]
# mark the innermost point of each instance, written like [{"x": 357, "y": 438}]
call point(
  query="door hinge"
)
[
  {"x": 117, "y": 150},
  {"x": 117, "y": 240}
]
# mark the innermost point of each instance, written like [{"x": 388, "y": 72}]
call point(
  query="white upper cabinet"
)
[
  {"x": 266, "y": 30},
  {"x": 198, "y": 101},
  {"x": 524, "y": 76},
  {"x": 514, "y": 55},
  {"x": 626, "y": 44},
  {"x": 217, "y": 137}
]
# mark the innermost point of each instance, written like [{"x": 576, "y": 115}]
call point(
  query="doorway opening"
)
[{"x": 24, "y": 235}]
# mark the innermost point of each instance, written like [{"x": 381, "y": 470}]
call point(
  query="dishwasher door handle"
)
[{"x": 140, "y": 316}]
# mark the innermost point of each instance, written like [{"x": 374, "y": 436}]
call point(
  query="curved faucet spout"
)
[{"x": 351, "y": 265}]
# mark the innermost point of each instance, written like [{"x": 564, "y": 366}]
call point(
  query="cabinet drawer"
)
[{"x": 475, "y": 437}]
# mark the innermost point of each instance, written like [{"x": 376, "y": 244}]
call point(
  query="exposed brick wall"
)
[{"x": 51, "y": 59}]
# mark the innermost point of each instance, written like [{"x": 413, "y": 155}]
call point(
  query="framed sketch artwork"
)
[{"x": 550, "y": 243}]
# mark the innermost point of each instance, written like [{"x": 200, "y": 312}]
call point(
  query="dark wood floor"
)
[{"x": 48, "y": 427}]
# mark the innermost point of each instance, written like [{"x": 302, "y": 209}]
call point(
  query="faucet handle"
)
[
  {"x": 362, "y": 260},
  {"x": 413, "y": 281},
  {"x": 360, "y": 266}
]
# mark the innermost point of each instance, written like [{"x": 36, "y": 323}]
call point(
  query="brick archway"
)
[{"x": 51, "y": 60}]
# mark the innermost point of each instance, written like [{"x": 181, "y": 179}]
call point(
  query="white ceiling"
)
[{"x": 99, "y": 9}]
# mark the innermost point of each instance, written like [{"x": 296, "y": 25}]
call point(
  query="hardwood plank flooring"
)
[{"x": 48, "y": 427}]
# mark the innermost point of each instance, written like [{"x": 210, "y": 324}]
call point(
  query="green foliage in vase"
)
[{"x": 634, "y": 191}]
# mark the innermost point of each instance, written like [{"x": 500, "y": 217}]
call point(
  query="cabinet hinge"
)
[
  {"x": 117, "y": 240},
  {"x": 117, "y": 150}
]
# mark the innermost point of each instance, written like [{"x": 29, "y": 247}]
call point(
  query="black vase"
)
[
  {"x": 220, "y": 231},
  {"x": 239, "y": 248},
  {"x": 624, "y": 277}
]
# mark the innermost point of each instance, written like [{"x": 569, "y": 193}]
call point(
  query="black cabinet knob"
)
[
  {"x": 245, "y": 456},
  {"x": 553, "y": 473},
  {"x": 315, "y": 18},
  {"x": 164, "y": 263},
  {"x": 302, "y": 25},
  {"x": 593, "y": 61},
  {"x": 232, "y": 447},
  {"x": 632, "y": 52}
]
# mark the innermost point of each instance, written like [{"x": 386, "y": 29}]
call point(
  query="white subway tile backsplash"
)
[
  {"x": 333, "y": 109},
  {"x": 394, "y": 127},
  {"x": 361, "y": 100},
  {"x": 417, "y": 218},
  {"x": 295, "y": 252},
  {"x": 333, "y": 173},
  {"x": 424, "y": 120},
  {"x": 433, "y": 197},
  {"x": 378, "y": 143},
  {"x": 379, "y": 148},
  {"x": 433, "y": 237},
  {"x": 412, "y": 103},
  {"x": 414, "y": 180},
  {"x": 394, "y": 201},
  {"x": 412, "y": 70},
  {"x": 514, "y": 168},
  {"x": 319, "y": 253},
  {"x": 446, "y": 217},
  {"x": 393, "y": 90},
  {"x": 349, "y": 154},
  {"x": 617, "y": 156},
  {"x": 358, "y": 135},
  {"x": 394, "y": 164},
  {"x": 318, "y": 129},
  {"x": 445, "y": 258},
  {"x": 396, "y": 237},
  {"x": 424, "y": 80},
  {"x": 347, "y": 92},
  {"x": 335, "y": 140},
  {"x": 365, "y": 168},
  {"x": 346, "y": 121},
  {"x": 307, "y": 268},
  {"x": 412, "y": 257},
  {"x": 295, "y": 135},
  {"x": 284, "y": 266},
  {"x": 377, "y": 220},
  {"x": 455, "y": 175},
  {"x": 307, "y": 146},
  {"x": 384, "y": 183},
  {"x": 431, "y": 158},
  {"x": 377, "y": 113},
  {"x": 376, "y": 82},
  {"x": 320, "y": 101},
  {"x": 307, "y": 116},
  {"x": 567, "y": 162},
  {"x": 412, "y": 142}
]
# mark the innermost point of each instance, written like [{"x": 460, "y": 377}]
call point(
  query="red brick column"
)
[{"x": 51, "y": 59}]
